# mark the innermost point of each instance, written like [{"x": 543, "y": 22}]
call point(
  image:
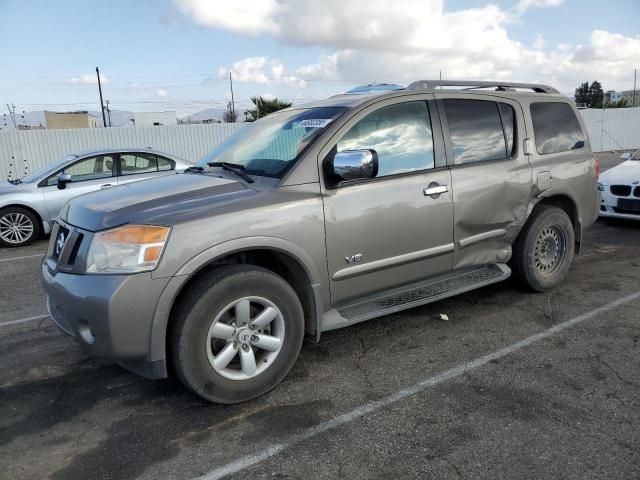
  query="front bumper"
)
[
  {"x": 109, "y": 315},
  {"x": 608, "y": 204}
]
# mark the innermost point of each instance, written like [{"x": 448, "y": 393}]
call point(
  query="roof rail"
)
[{"x": 432, "y": 85}]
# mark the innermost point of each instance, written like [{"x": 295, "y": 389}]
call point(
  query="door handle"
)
[
  {"x": 106, "y": 185},
  {"x": 434, "y": 190}
]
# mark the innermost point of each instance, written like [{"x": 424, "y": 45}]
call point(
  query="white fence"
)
[
  {"x": 24, "y": 151},
  {"x": 613, "y": 129}
]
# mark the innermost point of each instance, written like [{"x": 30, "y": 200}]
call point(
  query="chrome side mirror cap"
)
[
  {"x": 355, "y": 164},
  {"x": 63, "y": 179}
]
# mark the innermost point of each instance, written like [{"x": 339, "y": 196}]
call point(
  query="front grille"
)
[
  {"x": 636, "y": 192},
  {"x": 628, "y": 206},
  {"x": 621, "y": 190},
  {"x": 64, "y": 248}
]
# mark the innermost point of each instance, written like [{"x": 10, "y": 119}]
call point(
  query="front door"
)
[
  {"x": 387, "y": 231},
  {"x": 87, "y": 175}
]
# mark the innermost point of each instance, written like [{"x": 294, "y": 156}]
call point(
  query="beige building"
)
[{"x": 70, "y": 120}]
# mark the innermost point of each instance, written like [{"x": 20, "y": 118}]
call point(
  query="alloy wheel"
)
[{"x": 16, "y": 228}]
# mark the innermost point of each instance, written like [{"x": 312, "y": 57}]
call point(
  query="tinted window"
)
[
  {"x": 164, "y": 164},
  {"x": 133, "y": 163},
  {"x": 476, "y": 130},
  {"x": 91, "y": 168},
  {"x": 509, "y": 125},
  {"x": 555, "y": 127},
  {"x": 400, "y": 134}
]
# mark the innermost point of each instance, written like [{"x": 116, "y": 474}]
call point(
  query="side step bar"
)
[{"x": 414, "y": 295}]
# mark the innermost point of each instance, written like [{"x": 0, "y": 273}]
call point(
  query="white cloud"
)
[
  {"x": 538, "y": 43},
  {"x": 88, "y": 79},
  {"x": 524, "y": 5},
  {"x": 161, "y": 92},
  {"x": 375, "y": 40},
  {"x": 243, "y": 16},
  {"x": 261, "y": 70}
]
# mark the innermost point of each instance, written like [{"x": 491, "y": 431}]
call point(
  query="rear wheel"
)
[
  {"x": 237, "y": 333},
  {"x": 18, "y": 227},
  {"x": 544, "y": 250}
]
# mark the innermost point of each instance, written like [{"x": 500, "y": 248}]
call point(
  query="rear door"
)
[
  {"x": 490, "y": 173},
  {"x": 87, "y": 175},
  {"x": 134, "y": 166},
  {"x": 385, "y": 232}
]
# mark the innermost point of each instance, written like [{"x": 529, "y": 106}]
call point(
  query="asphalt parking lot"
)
[{"x": 513, "y": 385}]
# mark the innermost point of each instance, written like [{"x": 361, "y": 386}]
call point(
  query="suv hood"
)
[
  {"x": 625, "y": 174},
  {"x": 162, "y": 201}
]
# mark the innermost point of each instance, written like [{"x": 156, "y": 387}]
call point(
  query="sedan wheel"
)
[{"x": 17, "y": 227}]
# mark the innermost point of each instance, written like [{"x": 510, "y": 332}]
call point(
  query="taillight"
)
[{"x": 597, "y": 168}]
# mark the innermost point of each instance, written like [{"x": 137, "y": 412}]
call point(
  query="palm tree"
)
[{"x": 264, "y": 107}]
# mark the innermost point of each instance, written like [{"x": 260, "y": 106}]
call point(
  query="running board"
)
[{"x": 414, "y": 295}]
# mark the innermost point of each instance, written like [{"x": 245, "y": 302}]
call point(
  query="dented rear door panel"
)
[{"x": 490, "y": 199}]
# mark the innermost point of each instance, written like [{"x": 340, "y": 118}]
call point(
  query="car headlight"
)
[
  {"x": 600, "y": 187},
  {"x": 128, "y": 249}
]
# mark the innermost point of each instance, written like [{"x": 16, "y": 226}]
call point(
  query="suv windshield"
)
[{"x": 269, "y": 146}]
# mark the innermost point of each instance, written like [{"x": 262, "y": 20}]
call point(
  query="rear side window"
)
[
  {"x": 164, "y": 164},
  {"x": 555, "y": 127},
  {"x": 134, "y": 163},
  {"x": 476, "y": 129}
]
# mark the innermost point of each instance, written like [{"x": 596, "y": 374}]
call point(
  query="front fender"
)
[{"x": 157, "y": 347}]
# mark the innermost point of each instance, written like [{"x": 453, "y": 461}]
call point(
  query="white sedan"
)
[{"x": 620, "y": 189}]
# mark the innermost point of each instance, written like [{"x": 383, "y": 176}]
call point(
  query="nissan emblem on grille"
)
[{"x": 59, "y": 243}]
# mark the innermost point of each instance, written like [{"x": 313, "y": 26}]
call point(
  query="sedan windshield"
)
[
  {"x": 269, "y": 146},
  {"x": 47, "y": 170}
]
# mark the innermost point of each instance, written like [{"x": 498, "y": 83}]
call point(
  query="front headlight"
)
[
  {"x": 600, "y": 187},
  {"x": 128, "y": 249}
]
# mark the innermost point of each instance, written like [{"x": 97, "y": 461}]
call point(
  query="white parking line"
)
[
  {"x": 347, "y": 417},
  {"x": 23, "y": 320},
  {"x": 21, "y": 258}
]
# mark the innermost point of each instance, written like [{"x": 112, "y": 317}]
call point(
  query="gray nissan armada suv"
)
[{"x": 318, "y": 217}]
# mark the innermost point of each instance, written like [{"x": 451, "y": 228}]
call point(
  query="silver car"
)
[{"x": 30, "y": 205}]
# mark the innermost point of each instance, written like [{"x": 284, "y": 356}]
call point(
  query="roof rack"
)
[{"x": 432, "y": 85}]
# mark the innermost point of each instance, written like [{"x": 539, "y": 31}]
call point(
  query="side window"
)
[
  {"x": 555, "y": 127},
  {"x": 476, "y": 130},
  {"x": 164, "y": 164},
  {"x": 509, "y": 125},
  {"x": 400, "y": 134},
  {"x": 134, "y": 163},
  {"x": 92, "y": 168}
]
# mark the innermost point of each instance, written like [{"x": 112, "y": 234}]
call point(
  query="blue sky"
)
[{"x": 173, "y": 54}]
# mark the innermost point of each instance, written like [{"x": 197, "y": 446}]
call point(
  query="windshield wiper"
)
[
  {"x": 194, "y": 169},
  {"x": 233, "y": 168}
]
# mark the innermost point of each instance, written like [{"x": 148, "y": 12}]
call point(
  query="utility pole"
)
[
  {"x": 233, "y": 104},
  {"x": 633, "y": 102},
  {"x": 108, "y": 112},
  {"x": 104, "y": 119}
]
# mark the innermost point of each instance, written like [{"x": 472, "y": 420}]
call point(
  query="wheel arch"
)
[
  {"x": 296, "y": 271},
  {"x": 567, "y": 202},
  {"x": 31, "y": 209}
]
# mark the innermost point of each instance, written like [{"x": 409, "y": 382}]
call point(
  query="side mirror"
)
[
  {"x": 625, "y": 156},
  {"x": 355, "y": 164},
  {"x": 63, "y": 179}
]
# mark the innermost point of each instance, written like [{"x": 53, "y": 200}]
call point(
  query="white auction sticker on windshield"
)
[{"x": 315, "y": 122}]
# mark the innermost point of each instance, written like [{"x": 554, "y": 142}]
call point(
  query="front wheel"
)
[
  {"x": 18, "y": 227},
  {"x": 544, "y": 250},
  {"x": 237, "y": 333}
]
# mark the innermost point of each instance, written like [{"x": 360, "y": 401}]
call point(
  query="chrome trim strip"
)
[
  {"x": 391, "y": 262},
  {"x": 465, "y": 242}
]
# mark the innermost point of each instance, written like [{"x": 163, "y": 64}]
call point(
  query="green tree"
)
[
  {"x": 582, "y": 94},
  {"x": 264, "y": 107},
  {"x": 596, "y": 95}
]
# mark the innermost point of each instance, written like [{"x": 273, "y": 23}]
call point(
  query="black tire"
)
[
  {"x": 534, "y": 264},
  {"x": 28, "y": 220},
  {"x": 203, "y": 303}
]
